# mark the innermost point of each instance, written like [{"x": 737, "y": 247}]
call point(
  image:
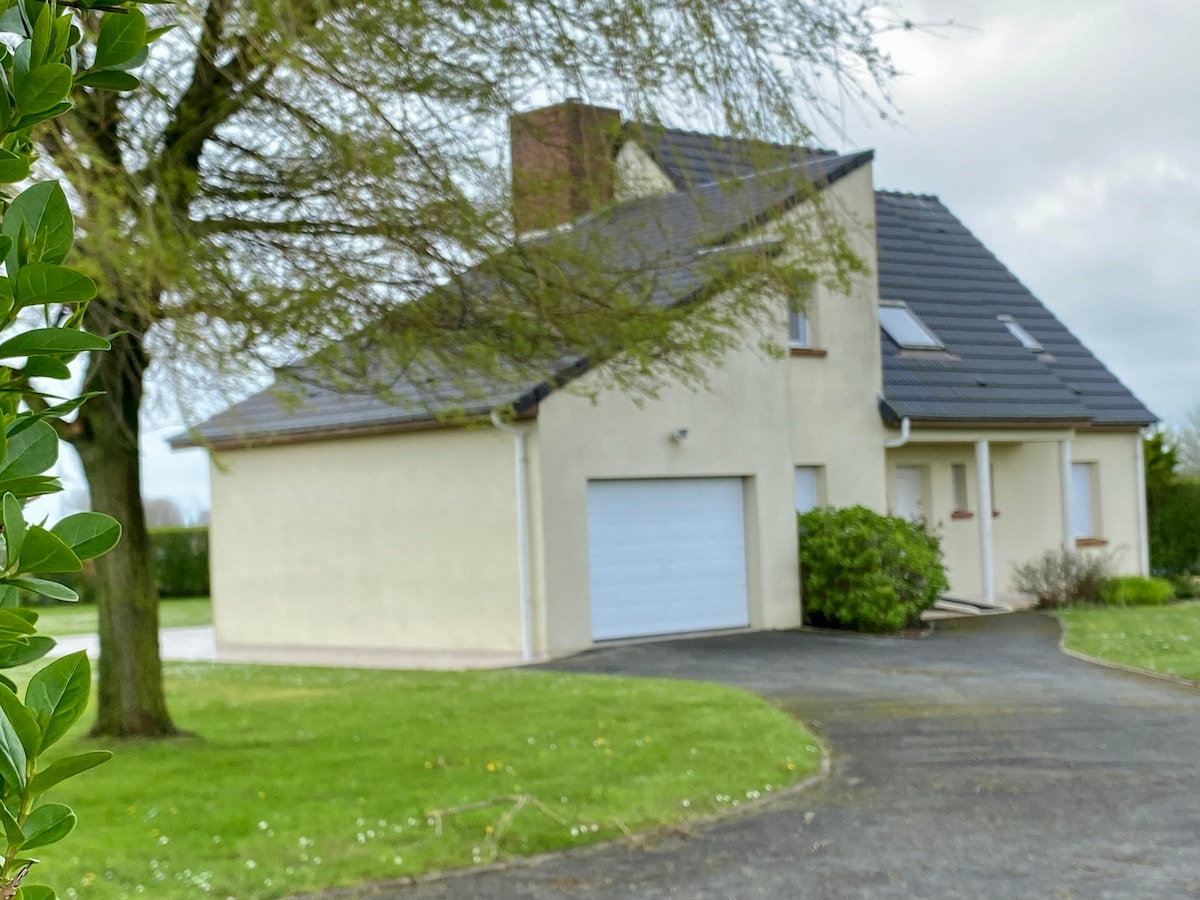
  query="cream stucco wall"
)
[
  {"x": 1027, "y": 492},
  {"x": 377, "y": 545}
]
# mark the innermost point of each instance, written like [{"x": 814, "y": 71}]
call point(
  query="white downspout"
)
[
  {"x": 1064, "y": 476},
  {"x": 905, "y": 426},
  {"x": 522, "y": 535},
  {"x": 1142, "y": 517},
  {"x": 987, "y": 562}
]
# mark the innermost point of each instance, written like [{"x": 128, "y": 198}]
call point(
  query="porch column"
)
[
  {"x": 1064, "y": 473},
  {"x": 987, "y": 562}
]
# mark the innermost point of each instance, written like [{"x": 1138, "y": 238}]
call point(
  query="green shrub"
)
[
  {"x": 180, "y": 560},
  {"x": 867, "y": 572},
  {"x": 1136, "y": 590},
  {"x": 1059, "y": 577},
  {"x": 1185, "y": 586}
]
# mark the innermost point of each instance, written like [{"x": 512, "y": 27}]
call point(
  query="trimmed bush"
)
[
  {"x": 1060, "y": 577},
  {"x": 1136, "y": 590},
  {"x": 867, "y": 572},
  {"x": 180, "y": 560},
  {"x": 1186, "y": 587}
]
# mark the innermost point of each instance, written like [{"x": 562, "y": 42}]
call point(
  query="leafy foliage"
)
[
  {"x": 867, "y": 572},
  {"x": 1060, "y": 577},
  {"x": 1172, "y": 508},
  {"x": 1136, "y": 590},
  {"x": 180, "y": 559},
  {"x": 42, "y": 59}
]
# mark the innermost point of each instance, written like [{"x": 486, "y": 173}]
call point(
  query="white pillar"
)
[
  {"x": 987, "y": 562},
  {"x": 1143, "y": 533},
  {"x": 1064, "y": 466}
]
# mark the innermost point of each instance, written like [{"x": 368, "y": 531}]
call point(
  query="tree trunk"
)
[{"x": 131, "y": 700}]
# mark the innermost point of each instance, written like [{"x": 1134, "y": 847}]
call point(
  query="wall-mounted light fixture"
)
[{"x": 679, "y": 435}]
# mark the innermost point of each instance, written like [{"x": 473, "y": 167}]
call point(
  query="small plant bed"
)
[
  {"x": 1163, "y": 639},
  {"x": 302, "y": 779},
  {"x": 59, "y": 619}
]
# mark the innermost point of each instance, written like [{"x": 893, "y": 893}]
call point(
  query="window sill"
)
[
  {"x": 962, "y": 514},
  {"x": 1091, "y": 542},
  {"x": 808, "y": 351}
]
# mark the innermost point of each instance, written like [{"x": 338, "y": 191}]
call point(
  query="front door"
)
[{"x": 910, "y": 493}]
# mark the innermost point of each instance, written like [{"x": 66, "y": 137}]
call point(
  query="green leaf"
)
[
  {"x": 46, "y": 553},
  {"x": 14, "y": 526},
  {"x": 23, "y": 723},
  {"x": 109, "y": 80},
  {"x": 41, "y": 209},
  {"x": 45, "y": 87},
  {"x": 63, "y": 28},
  {"x": 31, "y": 485},
  {"x": 9, "y": 597},
  {"x": 89, "y": 534},
  {"x": 12, "y": 753},
  {"x": 47, "y": 825},
  {"x": 39, "y": 283},
  {"x": 43, "y": 31},
  {"x": 6, "y": 110},
  {"x": 12, "y": 828},
  {"x": 8, "y": 683},
  {"x": 46, "y": 367},
  {"x": 58, "y": 694},
  {"x": 51, "y": 589},
  {"x": 40, "y": 341},
  {"x": 28, "y": 121},
  {"x": 35, "y": 892},
  {"x": 30, "y": 452},
  {"x": 14, "y": 625},
  {"x": 120, "y": 39},
  {"x": 33, "y": 649},
  {"x": 29, "y": 615},
  {"x": 67, "y": 767},
  {"x": 13, "y": 166}
]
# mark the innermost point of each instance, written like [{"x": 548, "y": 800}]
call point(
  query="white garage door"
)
[{"x": 666, "y": 556}]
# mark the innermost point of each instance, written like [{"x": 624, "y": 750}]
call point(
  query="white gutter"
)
[
  {"x": 1064, "y": 477},
  {"x": 1139, "y": 455},
  {"x": 905, "y": 426},
  {"x": 522, "y": 535}
]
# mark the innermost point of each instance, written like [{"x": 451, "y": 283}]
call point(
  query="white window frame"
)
[
  {"x": 1085, "y": 501},
  {"x": 799, "y": 329},
  {"x": 1017, "y": 330},
  {"x": 932, "y": 342}
]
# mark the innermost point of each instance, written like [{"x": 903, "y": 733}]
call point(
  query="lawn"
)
[
  {"x": 305, "y": 778},
  {"x": 60, "y": 619},
  {"x": 1162, "y": 639}
]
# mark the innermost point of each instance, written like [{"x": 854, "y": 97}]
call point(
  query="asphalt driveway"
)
[{"x": 979, "y": 762}]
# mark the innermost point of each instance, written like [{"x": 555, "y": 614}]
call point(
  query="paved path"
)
[
  {"x": 197, "y": 644},
  {"x": 978, "y": 763}
]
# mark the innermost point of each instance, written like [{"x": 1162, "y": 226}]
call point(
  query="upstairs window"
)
[
  {"x": 903, "y": 327},
  {"x": 1028, "y": 341},
  {"x": 797, "y": 329}
]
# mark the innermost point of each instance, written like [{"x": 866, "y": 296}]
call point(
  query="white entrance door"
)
[
  {"x": 666, "y": 556},
  {"x": 910, "y": 493}
]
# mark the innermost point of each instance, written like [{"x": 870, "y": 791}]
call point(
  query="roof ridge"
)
[
  {"x": 776, "y": 145},
  {"x": 911, "y": 194}
]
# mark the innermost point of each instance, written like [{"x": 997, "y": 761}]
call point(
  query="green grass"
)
[
  {"x": 305, "y": 778},
  {"x": 61, "y": 619},
  {"x": 1162, "y": 639}
]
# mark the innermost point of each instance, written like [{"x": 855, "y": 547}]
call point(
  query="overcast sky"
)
[{"x": 1066, "y": 136}]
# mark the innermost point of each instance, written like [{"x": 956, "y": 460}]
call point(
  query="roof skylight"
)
[
  {"x": 903, "y": 327},
  {"x": 1028, "y": 341}
]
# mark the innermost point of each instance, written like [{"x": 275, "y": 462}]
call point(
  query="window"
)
[
  {"x": 1028, "y": 341},
  {"x": 1084, "y": 522},
  {"x": 958, "y": 488},
  {"x": 798, "y": 329},
  {"x": 903, "y": 327},
  {"x": 808, "y": 487}
]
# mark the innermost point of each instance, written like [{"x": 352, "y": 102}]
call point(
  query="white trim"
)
[
  {"x": 1064, "y": 474},
  {"x": 1139, "y": 456},
  {"x": 987, "y": 561},
  {"x": 522, "y": 535}
]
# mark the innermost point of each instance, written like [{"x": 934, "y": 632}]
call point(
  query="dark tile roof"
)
[
  {"x": 662, "y": 241},
  {"x": 929, "y": 260}
]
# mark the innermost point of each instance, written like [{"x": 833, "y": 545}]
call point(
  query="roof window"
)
[
  {"x": 903, "y": 327},
  {"x": 1028, "y": 341}
]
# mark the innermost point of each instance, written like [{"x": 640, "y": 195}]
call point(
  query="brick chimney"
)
[{"x": 562, "y": 163}]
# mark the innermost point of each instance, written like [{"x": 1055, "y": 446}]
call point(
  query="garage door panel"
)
[{"x": 666, "y": 556}]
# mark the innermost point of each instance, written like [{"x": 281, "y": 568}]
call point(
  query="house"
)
[{"x": 350, "y": 529}]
